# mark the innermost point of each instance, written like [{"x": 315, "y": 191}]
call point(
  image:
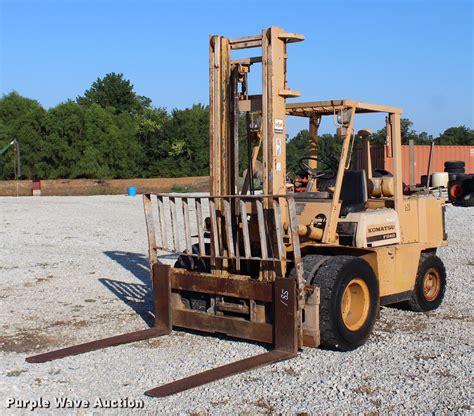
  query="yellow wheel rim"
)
[
  {"x": 431, "y": 284},
  {"x": 355, "y": 304}
]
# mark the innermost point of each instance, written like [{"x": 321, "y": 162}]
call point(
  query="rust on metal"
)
[
  {"x": 218, "y": 373},
  {"x": 150, "y": 226},
  {"x": 162, "y": 295},
  {"x": 245, "y": 229},
  {"x": 261, "y": 229},
  {"x": 207, "y": 283},
  {"x": 233, "y": 327},
  {"x": 161, "y": 216},
  {"x": 286, "y": 345},
  {"x": 228, "y": 228},
  {"x": 231, "y": 226},
  {"x": 174, "y": 223},
  {"x": 200, "y": 230},
  {"x": 96, "y": 345},
  {"x": 285, "y": 306},
  {"x": 187, "y": 224}
]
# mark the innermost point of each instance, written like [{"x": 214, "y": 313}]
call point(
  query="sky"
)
[{"x": 417, "y": 55}]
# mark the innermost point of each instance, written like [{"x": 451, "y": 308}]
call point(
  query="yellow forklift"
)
[{"x": 288, "y": 269}]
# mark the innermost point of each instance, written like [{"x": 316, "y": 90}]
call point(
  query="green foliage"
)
[
  {"x": 328, "y": 149},
  {"x": 115, "y": 91},
  {"x": 182, "y": 189},
  {"x": 183, "y": 146},
  {"x": 296, "y": 148},
  {"x": 407, "y": 133},
  {"x": 23, "y": 119},
  {"x": 461, "y": 135}
]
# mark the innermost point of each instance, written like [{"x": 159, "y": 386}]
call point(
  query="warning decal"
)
[{"x": 278, "y": 125}]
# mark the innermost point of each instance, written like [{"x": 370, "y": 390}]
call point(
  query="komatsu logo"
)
[{"x": 380, "y": 228}]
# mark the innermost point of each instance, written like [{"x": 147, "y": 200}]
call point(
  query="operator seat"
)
[{"x": 353, "y": 192}]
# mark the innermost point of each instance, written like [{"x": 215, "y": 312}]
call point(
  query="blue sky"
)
[{"x": 413, "y": 54}]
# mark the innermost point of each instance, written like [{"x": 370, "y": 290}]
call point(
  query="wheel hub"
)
[
  {"x": 355, "y": 304},
  {"x": 431, "y": 284}
]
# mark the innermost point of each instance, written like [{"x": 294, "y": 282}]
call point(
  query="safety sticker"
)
[
  {"x": 278, "y": 125},
  {"x": 278, "y": 147}
]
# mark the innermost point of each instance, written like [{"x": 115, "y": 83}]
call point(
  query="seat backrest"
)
[{"x": 354, "y": 188}]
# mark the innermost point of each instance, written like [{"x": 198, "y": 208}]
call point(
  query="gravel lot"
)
[{"x": 74, "y": 269}]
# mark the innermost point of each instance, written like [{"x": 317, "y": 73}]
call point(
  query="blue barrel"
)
[{"x": 132, "y": 191}]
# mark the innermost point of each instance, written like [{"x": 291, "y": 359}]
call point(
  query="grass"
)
[
  {"x": 182, "y": 189},
  {"x": 15, "y": 373}
]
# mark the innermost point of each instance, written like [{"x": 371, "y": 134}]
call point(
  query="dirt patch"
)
[
  {"x": 365, "y": 389},
  {"x": 150, "y": 343},
  {"x": 451, "y": 317},
  {"x": 27, "y": 341},
  {"x": 409, "y": 325},
  {"x": 74, "y": 324},
  {"x": 39, "y": 279},
  {"x": 265, "y": 406}
]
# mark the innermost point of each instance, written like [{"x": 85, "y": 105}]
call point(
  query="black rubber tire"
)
[
  {"x": 194, "y": 264},
  {"x": 454, "y": 164},
  {"x": 332, "y": 278},
  {"x": 455, "y": 171},
  {"x": 418, "y": 302},
  {"x": 191, "y": 300},
  {"x": 311, "y": 264},
  {"x": 467, "y": 201},
  {"x": 455, "y": 190}
]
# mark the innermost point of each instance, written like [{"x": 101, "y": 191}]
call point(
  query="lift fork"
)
[{"x": 285, "y": 329}]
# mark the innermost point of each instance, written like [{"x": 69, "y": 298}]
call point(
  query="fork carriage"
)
[{"x": 223, "y": 281}]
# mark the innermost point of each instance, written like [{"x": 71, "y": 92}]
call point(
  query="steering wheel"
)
[{"x": 327, "y": 171}]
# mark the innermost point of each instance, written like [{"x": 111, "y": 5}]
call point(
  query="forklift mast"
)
[{"x": 265, "y": 112}]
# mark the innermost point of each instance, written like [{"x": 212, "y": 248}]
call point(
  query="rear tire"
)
[
  {"x": 430, "y": 284},
  {"x": 349, "y": 302}
]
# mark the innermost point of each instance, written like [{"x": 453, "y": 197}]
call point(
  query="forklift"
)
[{"x": 284, "y": 268}]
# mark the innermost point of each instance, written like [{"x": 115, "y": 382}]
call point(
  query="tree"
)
[
  {"x": 461, "y": 135},
  {"x": 115, "y": 91},
  {"x": 407, "y": 133},
  {"x": 296, "y": 148},
  {"x": 65, "y": 132},
  {"x": 328, "y": 149},
  {"x": 149, "y": 131},
  {"x": 184, "y": 146},
  {"x": 25, "y": 120},
  {"x": 108, "y": 147}
]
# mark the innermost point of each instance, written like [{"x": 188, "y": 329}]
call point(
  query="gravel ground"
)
[{"x": 74, "y": 269}]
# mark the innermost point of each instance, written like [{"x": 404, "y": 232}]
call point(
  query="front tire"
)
[{"x": 349, "y": 302}]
